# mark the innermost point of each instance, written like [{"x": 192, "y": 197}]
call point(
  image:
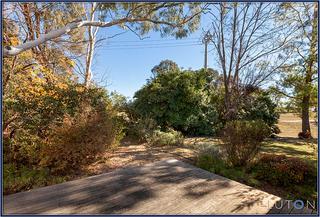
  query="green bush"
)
[
  {"x": 206, "y": 162},
  {"x": 259, "y": 106},
  {"x": 284, "y": 171},
  {"x": 180, "y": 100},
  {"x": 213, "y": 161},
  {"x": 242, "y": 140},
  {"x": 169, "y": 138}
]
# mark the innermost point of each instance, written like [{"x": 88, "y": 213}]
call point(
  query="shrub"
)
[
  {"x": 23, "y": 150},
  {"x": 62, "y": 129},
  {"x": 242, "y": 140},
  {"x": 284, "y": 171},
  {"x": 203, "y": 123},
  {"x": 79, "y": 139},
  {"x": 206, "y": 162},
  {"x": 171, "y": 137},
  {"x": 180, "y": 100},
  {"x": 213, "y": 161}
]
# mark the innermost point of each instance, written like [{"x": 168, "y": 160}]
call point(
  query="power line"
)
[
  {"x": 155, "y": 40},
  {"x": 142, "y": 47},
  {"x": 154, "y": 44}
]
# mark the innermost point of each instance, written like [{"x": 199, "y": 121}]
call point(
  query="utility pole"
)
[{"x": 206, "y": 39}]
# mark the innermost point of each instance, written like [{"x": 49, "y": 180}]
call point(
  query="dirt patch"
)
[{"x": 137, "y": 155}]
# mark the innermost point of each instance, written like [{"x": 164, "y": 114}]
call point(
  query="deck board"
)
[{"x": 164, "y": 187}]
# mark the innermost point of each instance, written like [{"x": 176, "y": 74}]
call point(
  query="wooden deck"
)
[{"x": 165, "y": 187}]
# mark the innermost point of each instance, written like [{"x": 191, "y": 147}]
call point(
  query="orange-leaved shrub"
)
[
  {"x": 58, "y": 129},
  {"x": 242, "y": 140},
  {"x": 75, "y": 142},
  {"x": 284, "y": 171}
]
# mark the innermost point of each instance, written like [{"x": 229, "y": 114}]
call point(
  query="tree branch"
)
[{"x": 15, "y": 50}]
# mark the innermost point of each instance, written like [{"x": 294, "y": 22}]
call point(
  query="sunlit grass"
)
[{"x": 302, "y": 149}]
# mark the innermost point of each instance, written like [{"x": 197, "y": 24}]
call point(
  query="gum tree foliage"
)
[
  {"x": 33, "y": 75},
  {"x": 140, "y": 18},
  {"x": 178, "y": 19},
  {"x": 299, "y": 75},
  {"x": 24, "y": 22}
]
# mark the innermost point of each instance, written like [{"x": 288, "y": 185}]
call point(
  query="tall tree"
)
[
  {"x": 299, "y": 77},
  {"x": 246, "y": 41}
]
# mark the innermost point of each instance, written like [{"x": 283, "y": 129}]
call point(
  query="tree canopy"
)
[
  {"x": 178, "y": 99},
  {"x": 177, "y": 19}
]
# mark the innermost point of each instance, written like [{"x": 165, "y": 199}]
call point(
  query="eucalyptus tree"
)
[
  {"x": 178, "y": 19},
  {"x": 299, "y": 75}
]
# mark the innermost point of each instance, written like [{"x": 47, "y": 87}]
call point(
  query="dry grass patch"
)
[{"x": 290, "y": 125}]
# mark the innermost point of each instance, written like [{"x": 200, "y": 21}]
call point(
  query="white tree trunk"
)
[{"x": 92, "y": 33}]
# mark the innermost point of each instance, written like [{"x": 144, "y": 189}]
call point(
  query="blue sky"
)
[{"x": 123, "y": 63}]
